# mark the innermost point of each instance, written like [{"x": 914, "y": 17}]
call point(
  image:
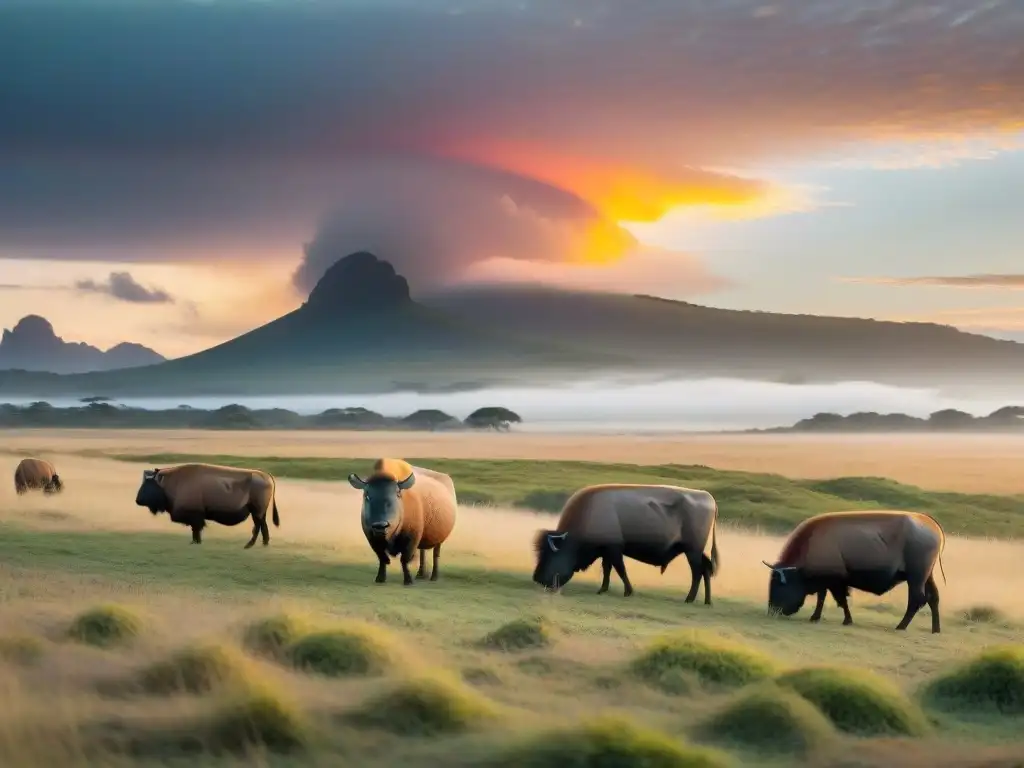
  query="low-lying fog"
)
[{"x": 680, "y": 405}]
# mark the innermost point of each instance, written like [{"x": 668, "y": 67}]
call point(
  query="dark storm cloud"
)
[
  {"x": 123, "y": 287},
  {"x": 231, "y": 125}
]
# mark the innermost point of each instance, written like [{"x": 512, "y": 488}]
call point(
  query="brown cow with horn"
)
[
  {"x": 653, "y": 524},
  {"x": 36, "y": 474},
  {"x": 406, "y": 508},
  {"x": 872, "y": 551},
  {"x": 193, "y": 494}
]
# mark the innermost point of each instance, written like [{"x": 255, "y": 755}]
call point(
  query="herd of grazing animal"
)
[{"x": 406, "y": 509}]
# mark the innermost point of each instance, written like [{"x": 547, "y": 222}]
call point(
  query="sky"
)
[{"x": 175, "y": 172}]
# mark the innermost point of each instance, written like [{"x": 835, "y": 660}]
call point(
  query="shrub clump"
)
[
  {"x": 607, "y": 743},
  {"x": 105, "y": 626},
  {"x": 669, "y": 663},
  {"x": 769, "y": 719},
  {"x": 519, "y": 635},
  {"x": 426, "y": 706},
  {"x": 991, "y": 682},
  {"x": 196, "y": 669},
  {"x": 858, "y": 703},
  {"x": 355, "y": 650},
  {"x": 272, "y": 636},
  {"x": 254, "y": 716},
  {"x": 984, "y": 614},
  {"x": 22, "y": 649}
]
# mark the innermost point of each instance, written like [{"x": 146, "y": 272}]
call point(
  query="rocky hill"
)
[{"x": 33, "y": 345}]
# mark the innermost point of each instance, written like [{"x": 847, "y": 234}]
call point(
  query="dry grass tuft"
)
[
  {"x": 196, "y": 669},
  {"x": 519, "y": 635},
  {"x": 608, "y": 743},
  {"x": 426, "y": 706},
  {"x": 769, "y": 719},
  {"x": 674, "y": 662},
  {"x": 992, "y": 682},
  {"x": 106, "y": 626},
  {"x": 858, "y": 702},
  {"x": 985, "y": 614},
  {"x": 358, "y": 650},
  {"x": 271, "y": 636}
]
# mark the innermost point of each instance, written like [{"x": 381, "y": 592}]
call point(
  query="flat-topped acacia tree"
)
[{"x": 493, "y": 417}]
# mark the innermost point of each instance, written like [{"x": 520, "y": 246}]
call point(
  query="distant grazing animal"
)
[
  {"x": 406, "y": 508},
  {"x": 193, "y": 494},
  {"x": 652, "y": 524},
  {"x": 37, "y": 474},
  {"x": 871, "y": 551}
]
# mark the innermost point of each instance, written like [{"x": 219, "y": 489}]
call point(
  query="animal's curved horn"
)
[
  {"x": 551, "y": 541},
  {"x": 559, "y": 535},
  {"x": 768, "y": 564}
]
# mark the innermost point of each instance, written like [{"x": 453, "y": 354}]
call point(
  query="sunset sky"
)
[{"x": 165, "y": 165}]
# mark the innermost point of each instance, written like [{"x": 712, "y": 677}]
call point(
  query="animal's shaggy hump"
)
[
  {"x": 795, "y": 548},
  {"x": 577, "y": 505},
  {"x": 391, "y": 469}
]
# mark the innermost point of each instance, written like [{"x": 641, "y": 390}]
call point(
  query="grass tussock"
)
[
  {"x": 992, "y": 682},
  {"x": 426, "y": 706},
  {"x": 769, "y": 719},
  {"x": 606, "y": 743},
  {"x": 196, "y": 669},
  {"x": 674, "y": 661},
  {"x": 356, "y": 650},
  {"x": 519, "y": 635},
  {"x": 21, "y": 649},
  {"x": 106, "y": 626},
  {"x": 985, "y": 614},
  {"x": 857, "y": 702},
  {"x": 272, "y": 635}
]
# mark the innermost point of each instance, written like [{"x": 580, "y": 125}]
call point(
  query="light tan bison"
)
[
  {"x": 37, "y": 474},
  {"x": 193, "y": 494},
  {"x": 871, "y": 551},
  {"x": 652, "y": 524},
  {"x": 406, "y": 508}
]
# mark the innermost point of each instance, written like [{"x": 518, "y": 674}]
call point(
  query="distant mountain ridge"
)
[
  {"x": 361, "y": 331},
  {"x": 33, "y": 345},
  {"x": 1009, "y": 418}
]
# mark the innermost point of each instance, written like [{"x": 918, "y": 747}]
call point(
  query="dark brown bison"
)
[
  {"x": 37, "y": 474},
  {"x": 406, "y": 508},
  {"x": 870, "y": 551},
  {"x": 193, "y": 494},
  {"x": 652, "y": 524}
]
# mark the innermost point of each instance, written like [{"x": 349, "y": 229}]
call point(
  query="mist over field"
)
[{"x": 632, "y": 405}]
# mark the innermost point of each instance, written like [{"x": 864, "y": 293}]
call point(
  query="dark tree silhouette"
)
[
  {"x": 493, "y": 417},
  {"x": 429, "y": 418}
]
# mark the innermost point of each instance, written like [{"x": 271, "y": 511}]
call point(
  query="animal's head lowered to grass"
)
[
  {"x": 382, "y": 502},
  {"x": 786, "y": 590},
  {"x": 556, "y": 559}
]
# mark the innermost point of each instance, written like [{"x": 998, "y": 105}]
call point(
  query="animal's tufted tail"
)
[
  {"x": 276, "y": 517},
  {"x": 714, "y": 547}
]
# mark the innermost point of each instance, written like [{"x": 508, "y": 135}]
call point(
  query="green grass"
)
[
  {"x": 610, "y": 742},
  {"x": 769, "y": 719},
  {"x": 106, "y": 626},
  {"x": 519, "y": 635},
  {"x": 858, "y": 702},
  {"x": 356, "y": 650},
  {"x": 271, "y": 636},
  {"x": 194, "y": 669},
  {"x": 671, "y": 661},
  {"x": 426, "y": 706},
  {"x": 990, "y": 683},
  {"x": 771, "y": 502}
]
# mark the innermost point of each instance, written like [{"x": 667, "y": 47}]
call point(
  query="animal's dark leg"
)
[
  {"x": 916, "y": 597},
  {"x": 932, "y": 590},
  {"x": 707, "y": 580},
  {"x": 606, "y": 574},
  {"x": 620, "y": 569},
  {"x": 842, "y": 598},
  {"x": 434, "y": 569},
  {"x": 265, "y": 530},
  {"x": 407, "y": 557},
  {"x": 197, "y": 531},
  {"x": 422, "y": 572},
  {"x": 383, "y": 560},
  {"x": 819, "y": 606},
  {"x": 255, "y": 532},
  {"x": 696, "y": 574}
]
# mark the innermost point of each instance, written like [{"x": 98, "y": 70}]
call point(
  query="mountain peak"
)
[
  {"x": 33, "y": 345},
  {"x": 358, "y": 282}
]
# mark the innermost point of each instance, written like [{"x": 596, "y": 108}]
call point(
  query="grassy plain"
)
[{"x": 478, "y": 668}]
